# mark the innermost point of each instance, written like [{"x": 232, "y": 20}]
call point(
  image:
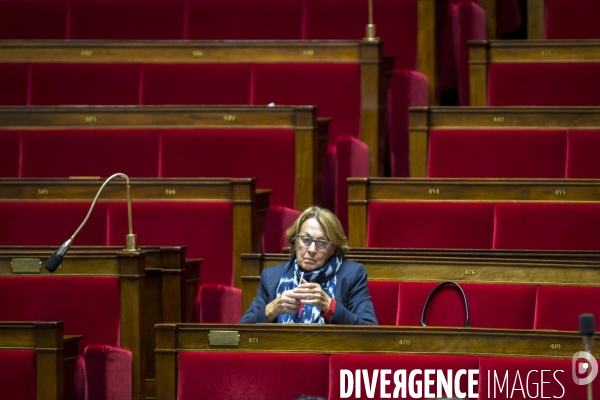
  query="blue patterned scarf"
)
[{"x": 325, "y": 276}]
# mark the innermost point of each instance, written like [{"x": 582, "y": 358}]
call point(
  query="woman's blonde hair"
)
[{"x": 330, "y": 224}]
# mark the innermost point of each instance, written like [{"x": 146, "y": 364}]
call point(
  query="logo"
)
[{"x": 581, "y": 368}]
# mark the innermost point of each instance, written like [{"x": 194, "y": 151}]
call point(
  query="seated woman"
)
[{"x": 317, "y": 285}]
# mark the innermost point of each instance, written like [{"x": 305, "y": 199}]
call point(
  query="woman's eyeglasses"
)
[{"x": 320, "y": 244}]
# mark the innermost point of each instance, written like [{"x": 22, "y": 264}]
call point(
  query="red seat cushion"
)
[
  {"x": 430, "y": 225},
  {"x": 547, "y": 226},
  {"x": 497, "y": 153},
  {"x": 544, "y": 84},
  {"x": 500, "y": 306},
  {"x": 368, "y": 363},
  {"x": 89, "y": 306},
  {"x": 33, "y": 19},
  {"x": 244, "y": 20},
  {"x": 89, "y": 152},
  {"x": 18, "y": 367},
  {"x": 335, "y": 88},
  {"x": 14, "y": 83},
  {"x": 582, "y": 154},
  {"x": 86, "y": 84},
  {"x": 242, "y": 375},
  {"x": 572, "y": 19},
  {"x": 266, "y": 154},
  {"x": 220, "y": 84},
  {"x": 384, "y": 295},
  {"x": 9, "y": 153},
  {"x": 559, "y": 307},
  {"x": 127, "y": 19},
  {"x": 205, "y": 227},
  {"x": 396, "y": 23}
]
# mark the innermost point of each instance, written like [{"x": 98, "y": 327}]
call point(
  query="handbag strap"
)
[{"x": 435, "y": 289}]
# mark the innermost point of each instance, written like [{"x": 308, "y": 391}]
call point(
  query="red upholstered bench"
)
[
  {"x": 544, "y": 84},
  {"x": 485, "y": 153},
  {"x": 571, "y": 19},
  {"x": 430, "y": 225},
  {"x": 501, "y": 306},
  {"x": 78, "y": 83},
  {"x": 366, "y": 364},
  {"x": 526, "y": 374},
  {"x": 530, "y": 73},
  {"x": 18, "y": 367},
  {"x": 243, "y": 20},
  {"x": 559, "y": 307},
  {"x": 88, "y": 152},
  {"x": 481, "y": 225},
  {"x": 231, "y": 375}
]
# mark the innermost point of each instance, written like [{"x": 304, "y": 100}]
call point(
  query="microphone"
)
[
  {"x": 130, "y": 239},
  {"x": 587, "y": 329}
]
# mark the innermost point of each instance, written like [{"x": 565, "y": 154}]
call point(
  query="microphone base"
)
[
  {"x": 131, "y": 242},
  {"x": 370, "y": 34}
]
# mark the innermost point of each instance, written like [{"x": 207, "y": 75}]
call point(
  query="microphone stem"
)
[
  {"x": 96, "y": 199},
  {"x": 129, "y": 206}
]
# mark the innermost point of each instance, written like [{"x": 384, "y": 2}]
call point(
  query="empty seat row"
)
[
  {"x": 474, "y": 214},
  {"x": 347, "y": 80},
  {"x": 504, "y": 142},
  {"x": 534, "y": 73},
  {"x": 330, "y": 375},
  {"x": 562, "y": 19},
  {"x": 500, "y": 306},
  {"x": 483, "y": 225}
]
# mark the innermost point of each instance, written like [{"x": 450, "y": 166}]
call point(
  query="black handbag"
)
[{"x": 435, "y": 289}]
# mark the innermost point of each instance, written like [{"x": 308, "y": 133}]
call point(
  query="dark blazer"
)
[{"x": 353, "y": 302}]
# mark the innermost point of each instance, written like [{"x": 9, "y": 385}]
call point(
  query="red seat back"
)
[
  {"x": 33, "y": 19},
  {"x": 9, "y": 153},
  {"x": 582, "y": 150},
  {"x": 267, "y": 154},
  {"x": 89, "y": 306},
  {"x": 547, "y": 226},
  {"x": 396, "y": 25},
  {"x": 18, "y": 369},
  {"x": 198, "y": 84},
  {"x": 14, "y": 83},
  {"x": 544, "y": 84},
  {"x": 244, "y": 20},
  {"x": 559, "y": 307},
  {"x": 572, "y": 19},
  {"x": 90, "y": 84},
  {"x": 89, "y": 152},
  {"x": 335, "y": 88},
  {"x": 430, "y": 225},
  {"x": 501, "y": 306},
  {"x": 126, "y": 19},
  {"x": 230, "y": 375},
  {"x": 497, "y": 153}
]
